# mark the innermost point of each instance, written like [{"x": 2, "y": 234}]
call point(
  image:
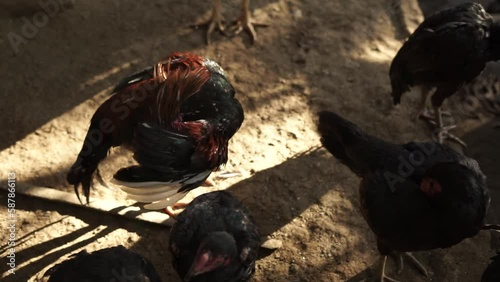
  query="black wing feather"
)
[
  {"x": 103, "y": 266},
  {"x": 142, "y": 75}
]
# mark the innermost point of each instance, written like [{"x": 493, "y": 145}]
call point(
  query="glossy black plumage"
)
[
  {"x": 447, "y": 50},
  {"x": 177, "y": 117},
  {"x": 216, "y": 212},
  {"x": 111, "y": 264},
  {"x": 415, "y": 196},
  {"x": 494, "y": 7},
  {"x": 492, "y": 272}
]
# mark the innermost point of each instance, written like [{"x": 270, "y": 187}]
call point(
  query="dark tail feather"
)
[
  {"x": 495, "y": 227},
  {"x": 396, "y": 98},
  {"x": 137, "y": 174},
  {"x": 340, "y": 136},
  {"x": 145, "y": 74},
  {"x": 397, "y": 90},
  {"x": 336, "y": 130},
  {"x": 399, "y": 84}
]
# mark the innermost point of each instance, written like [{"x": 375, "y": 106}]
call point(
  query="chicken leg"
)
[
  {"x": 424, "y": 112},
  {"x": 419, "y": 265},
  {"x": 216, "y": 21},
  {"x": 442, "y": 132},
  {"x": 383, "y": 261},
  {"x": 383, "y": 277},
  {"x": 174, "y": 210},
  {"x": 246, "y": 22}
]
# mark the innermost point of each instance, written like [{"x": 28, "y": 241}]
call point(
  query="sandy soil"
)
[{"x": 315, "y": 55}]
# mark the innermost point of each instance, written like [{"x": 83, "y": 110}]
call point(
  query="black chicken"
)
[
  {"x": 245, "y": 20},
  {"x": 447, "y": 50},
  {"x": 415, "y": 196},
  {"x": 177, "y": 117},
  {"x": 214, "y": 239},
  {"x": 111, "y": 264},
  {"x": 492, "y": 272},
  {"x": 494, "y": 7}
]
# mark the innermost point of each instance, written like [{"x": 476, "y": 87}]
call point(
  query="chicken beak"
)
[
  {"x": 203, "y": 263},
  {"x": 198, "y": 267}
]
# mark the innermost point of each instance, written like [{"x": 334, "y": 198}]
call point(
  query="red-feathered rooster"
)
[
  {"x": 245, "y": 20},
  {"x": 177, "y": 117}
]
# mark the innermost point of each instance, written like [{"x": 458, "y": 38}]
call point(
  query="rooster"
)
[
  {"x": 177, "y": 117},
  {"x": 447, "y": 50},
  {"x": 415, "y": 196},
  {"x": 111, "y": 264},
  {"x": 244, "y": 22},
  {"x": 214, "y": 239}
]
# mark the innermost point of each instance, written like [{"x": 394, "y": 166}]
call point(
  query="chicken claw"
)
[
  {"x": 81, "y": 175},
  {"x": 221, "y": 175},
  {"x": 246, "y": 22},
  {"x": 429, "y": 115},
  {"x": 216, "y": 21},
  {"x": 208, "y": 183},
  {"x": 383, "y": 277},
  {"x": 383, "y": 261},
  {"x": 174, "y": 210},
  {"x": 419, "y": 265},
  {"x": 442, "y": 133}
]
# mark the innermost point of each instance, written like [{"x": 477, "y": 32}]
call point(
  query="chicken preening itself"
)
[
  {"x": 415, "y": 196},
  {"x": 244, "y": 22},
  {"x": 214, "y": 239},
  {"x": 177, "y": 117},
  {"x": 111, "y": 264},
  {"x": 447, "y": 50}
]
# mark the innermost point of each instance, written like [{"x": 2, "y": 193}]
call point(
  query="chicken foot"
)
[
  {"x": 426, "y": 113},
  {"x": 174, "y": 210},
  {"x": 215, "y": 22},
  {"x": 383, "y": 260},
  {"x": 246, "y": 22},
  {"x": 417, "y": 263},
  {"x": 383, "y": 277},
  {"x": 441, "y": 132}
]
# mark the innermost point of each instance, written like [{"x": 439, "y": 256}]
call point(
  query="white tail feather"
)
[
  {"x": 150, "y": 190},
  {"x": 152, "y": 198},
  {"x": 159, "y": 194},
  {"x": 165, "y": 203},
  {"x": 146, "y": 184}
]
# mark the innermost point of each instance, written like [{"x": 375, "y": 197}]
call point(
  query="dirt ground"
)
[{"x": 315, "y": 55}]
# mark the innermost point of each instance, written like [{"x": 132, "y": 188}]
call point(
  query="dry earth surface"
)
[{"x": 315, "y": 55}]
